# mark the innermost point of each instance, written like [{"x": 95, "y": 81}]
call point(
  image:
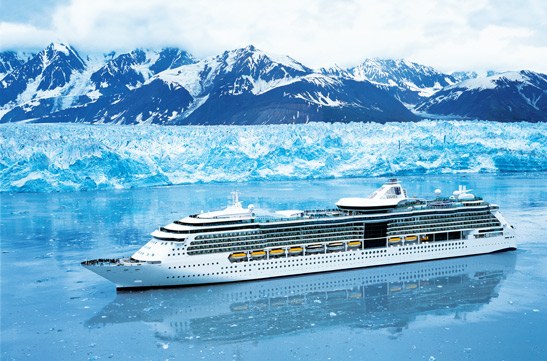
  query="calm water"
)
[{"x": 491, "y": 307}]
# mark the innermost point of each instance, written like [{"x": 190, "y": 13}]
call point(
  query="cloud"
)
[
  {"x": 23, "y": 36},
  {"x": 450, "y": 35}
]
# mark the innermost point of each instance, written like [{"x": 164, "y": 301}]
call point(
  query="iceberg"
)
[{"x": 77, "y": 157}]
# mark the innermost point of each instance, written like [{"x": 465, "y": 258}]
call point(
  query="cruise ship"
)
[{"x": 240, "y": 244}]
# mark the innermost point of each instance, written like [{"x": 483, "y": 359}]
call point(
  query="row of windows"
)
[
  {"x": 448, "y": 228},
  {"x": 319, "y": 227},
  {"x": 460, "y": 224},
  {"x": 201, "y": 250},
  {"x": 223, "y": 235},
  {"x": 377, "y": 242},
  {"x": 487, "y": 235},
  {"x": 283, "y": 232},
  {"x": 276, "y": 241},
  {"x": 195, "y": 265},
  {"x": 437, "y": 218},
  {"x": 455, "y": 220}
]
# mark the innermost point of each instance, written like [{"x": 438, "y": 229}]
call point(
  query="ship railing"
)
[
  {"x": 438, "y": 203},
  {"x": 102, "y": 261},
  {"x": 327, "y": 212},
  {"x": 317, "y": 213}
]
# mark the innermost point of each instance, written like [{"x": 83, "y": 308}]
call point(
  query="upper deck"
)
[{"x": 412, "y": 206}]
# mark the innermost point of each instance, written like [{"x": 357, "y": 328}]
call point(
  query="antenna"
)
[{"x": 235, "y": 197}]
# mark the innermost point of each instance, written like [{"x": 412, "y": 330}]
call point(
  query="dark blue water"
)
[{"x": 491, "y": 307}]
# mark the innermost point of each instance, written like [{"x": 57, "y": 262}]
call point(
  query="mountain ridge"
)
[
  {"x": 239, "y": 86},
  {"x": 504, "y": 97}
]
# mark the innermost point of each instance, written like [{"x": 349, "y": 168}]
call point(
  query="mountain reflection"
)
[{"x": 376, "y": 298}]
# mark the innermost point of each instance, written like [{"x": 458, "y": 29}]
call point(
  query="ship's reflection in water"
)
[{"x": 376, "y": 298}]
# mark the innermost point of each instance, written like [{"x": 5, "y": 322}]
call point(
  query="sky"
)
[{"x": 449, "y": 35}]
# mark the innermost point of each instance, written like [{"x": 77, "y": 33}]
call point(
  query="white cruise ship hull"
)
[{"x": 217, "y": 268}]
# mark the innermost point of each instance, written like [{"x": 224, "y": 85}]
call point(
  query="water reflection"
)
[{"x": 377, "y": 298}]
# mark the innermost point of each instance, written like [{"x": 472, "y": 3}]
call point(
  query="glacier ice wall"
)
[{"x": 67, "y": 157}]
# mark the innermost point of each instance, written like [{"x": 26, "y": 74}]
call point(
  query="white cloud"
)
[
  {"x": 24, "y": 36},
  {"x": 449, "y": 35}
]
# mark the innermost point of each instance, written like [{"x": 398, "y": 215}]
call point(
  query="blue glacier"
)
[{"x": 70, "y": 157}]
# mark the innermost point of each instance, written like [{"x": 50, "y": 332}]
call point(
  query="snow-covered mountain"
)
[
  {"x": 240, "y": 86},
  {"x": 407, "y": 81},
  {"x": 335, "y": 71},
  {"x": 40, "y": 76},
  {"x": 460, "y": 76},
  {"x": 249, "y": 86},
  {"x": 131, "y": 70},
  {"x": 11, "y": 60},
  {"x": 505, "y": 97},
  {"x": 59, "y": 85}
]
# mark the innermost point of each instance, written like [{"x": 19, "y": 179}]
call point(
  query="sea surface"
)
[{"x": 491, "y": 307}]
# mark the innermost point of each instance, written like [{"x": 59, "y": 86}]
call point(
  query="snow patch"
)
[
  {"x": 94, "y": 95},
  {"x": 488, "y": 82},
  {"x": 61, "y": 48}
]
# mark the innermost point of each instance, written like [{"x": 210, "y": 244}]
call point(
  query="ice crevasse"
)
[{"x": 69, "y": 157}]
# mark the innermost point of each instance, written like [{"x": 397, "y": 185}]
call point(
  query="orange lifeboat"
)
[
  {"x": 258, "y": 254},
  {"x": 278, "y": 252},
  {"x": 354, "y": 244},
  {"x": 237, "y": 257}
]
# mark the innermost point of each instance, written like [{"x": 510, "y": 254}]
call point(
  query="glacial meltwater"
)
[{"x": 490, "y": 307}]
